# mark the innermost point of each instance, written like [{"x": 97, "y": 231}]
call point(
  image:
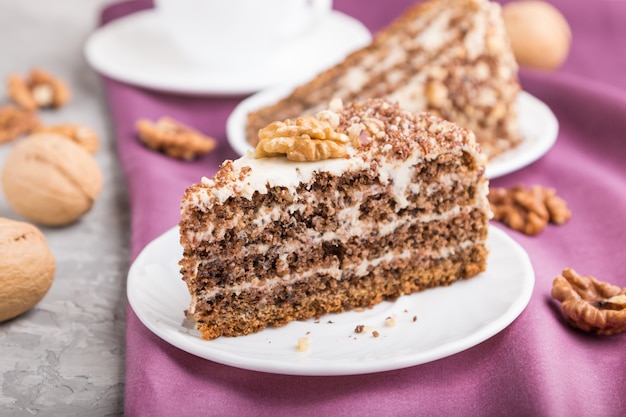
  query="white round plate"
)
[
  {"x": 135, "y": 49},
  {"x": 428, "y": 325},
  {"x": 539, "y": 128}
]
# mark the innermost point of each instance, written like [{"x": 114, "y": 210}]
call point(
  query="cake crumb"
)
[
  {"x": 359, "y": 328},
  {"x": 375, "y": 333},
  {"x": 414, "y": 318},
  {"x": 303, "y": 344},
  {"x": 390, "y": 321}
]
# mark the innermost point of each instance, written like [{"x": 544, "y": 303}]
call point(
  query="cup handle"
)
[
  {"x": 321, "y": 7},
  {"x": 318, "y": 9}
]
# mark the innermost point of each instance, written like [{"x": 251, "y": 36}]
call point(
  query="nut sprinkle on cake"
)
[
  {"x": 333, "y": 212},
  {"x": 452, "y": 58}
]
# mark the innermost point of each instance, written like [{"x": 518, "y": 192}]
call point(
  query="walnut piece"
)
[
  {"x": 39, "y": 90},
  {"x": 81, "y": 135},
  {"x": 174, "y": 138},
  {"x": 528, "y": 210},
  {"x": 307, "y": 138},
  {"x": 589, "y": 304},
  {"x": 15, "y": 122},
  {"x": 303, "y": 345}
]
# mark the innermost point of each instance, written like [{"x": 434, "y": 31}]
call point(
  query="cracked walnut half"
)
[
  {"x": 589, "y": 304},
  {"x": 528, "y": 210},
  {"x": 15, "y": 121},
  {"x": 174, "y": 138},
  {"x": 39, "y": 90}
]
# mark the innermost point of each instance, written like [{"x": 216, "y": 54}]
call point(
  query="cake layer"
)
[
  {"x": 251, "y": 310},
  {"x": 291, "y": 259}
]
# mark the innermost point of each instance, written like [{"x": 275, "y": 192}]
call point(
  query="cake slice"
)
[
  {"x": 333, "y": 212},
  {"x": 448, "y": 57}
]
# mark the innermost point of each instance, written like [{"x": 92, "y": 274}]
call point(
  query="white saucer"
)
[
  {"x": 135, "y": 49},
  {"x": 429, "y": 325},
  {"x": 538, "y": 125}
]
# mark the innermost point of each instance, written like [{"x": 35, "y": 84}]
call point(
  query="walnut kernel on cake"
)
[
  {"x": 452, "y": 58},
  {"x": 268, "y": 240}
]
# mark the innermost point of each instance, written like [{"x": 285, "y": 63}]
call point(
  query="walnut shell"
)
[
  {"x": 540, "y": 35},
  {"x": 27, "y": 268},
  {"x": 50, "y": 180}
]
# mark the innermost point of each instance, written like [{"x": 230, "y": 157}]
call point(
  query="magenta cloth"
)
[{"x": 538, "y": 366}]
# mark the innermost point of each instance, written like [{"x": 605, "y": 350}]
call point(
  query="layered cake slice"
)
[
  {"x": 448, "y": 57},
  {"x": 344, "y": 209}
]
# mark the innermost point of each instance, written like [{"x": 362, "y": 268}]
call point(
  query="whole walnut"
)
[
  {"x": 50, "y": 180},
  {"x": 27, "y": 267},
  {"x": 540, "y": 35}
]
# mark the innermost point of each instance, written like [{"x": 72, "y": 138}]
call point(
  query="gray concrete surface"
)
[{"x": 65, "y": 357}]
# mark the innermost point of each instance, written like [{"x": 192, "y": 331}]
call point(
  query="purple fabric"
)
[{"x": 537, "y": 366}]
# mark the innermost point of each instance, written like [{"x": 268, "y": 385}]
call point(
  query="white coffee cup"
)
[{"x": 228, "y": 33}]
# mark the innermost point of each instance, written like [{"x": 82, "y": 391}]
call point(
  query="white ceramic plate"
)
[
  {"x": 538, "y": 125},
  {"x": 448, "y": 320},
  {"x": 135, "y": 49}
]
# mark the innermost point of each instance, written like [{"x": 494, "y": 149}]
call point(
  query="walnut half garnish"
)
[
  {"x": 307, "y": 138},
  {"x": 589, "y": 304},
  {"x": 528, "y": 210}
]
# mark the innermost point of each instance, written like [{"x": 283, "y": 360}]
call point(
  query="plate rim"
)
[
  {"x": 213, "y": 88},
  {"x": 515, "y": 307},
  {"x": 235, "y": 129}
]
